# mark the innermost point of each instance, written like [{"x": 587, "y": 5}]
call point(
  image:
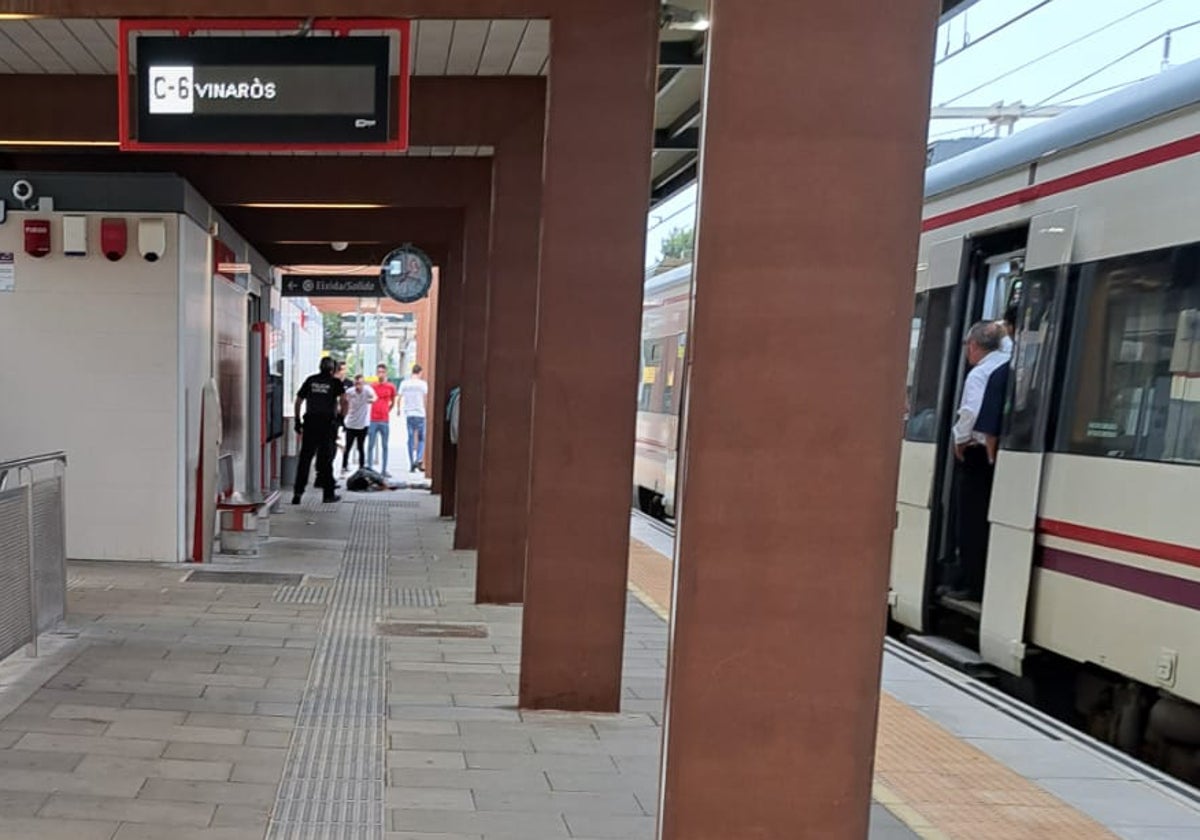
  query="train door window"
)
[
  {"x": 927, "y": 349},
  {"x": 1003, "y": 275},
  {"x": 652, "y": 362},
  {"x": 1134, "y": 390},
  {"x": 1039, "y": 306}
]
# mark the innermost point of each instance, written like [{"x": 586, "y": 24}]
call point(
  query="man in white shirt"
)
[
  {"x": 358, "y": 418},
  {"x": 413, "y": 392},
  {"x": 975, "y": 469}
]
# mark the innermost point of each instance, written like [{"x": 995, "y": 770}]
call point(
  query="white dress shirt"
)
[
  {"x": 972, "y": 398},
  {"x": 359, "y": 415}
]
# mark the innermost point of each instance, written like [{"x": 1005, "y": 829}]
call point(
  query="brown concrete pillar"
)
[
  {"x": 447, "y": 372},
  {"x": 600, "y": 118},
  {"x": 512, "y": 323},
  {"x": 809, "y": 214},
  {"x": 474, "y": 351}
]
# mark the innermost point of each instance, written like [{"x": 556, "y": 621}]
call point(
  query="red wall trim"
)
[
  {"x": 1101, "y": 172},
  {"x": 1187, "y": 555}
]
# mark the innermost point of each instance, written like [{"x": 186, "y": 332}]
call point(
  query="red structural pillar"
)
[
  {"x": 603, "y": 57},
  {"x": 474, "y": 351},
  {"x": 447, "y": 373},
  {"x": 512, "y": 323},
  {"x": 809, "y": 216}
]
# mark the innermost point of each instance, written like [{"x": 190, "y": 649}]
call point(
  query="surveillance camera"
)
[{"x": 22, "y": 191}]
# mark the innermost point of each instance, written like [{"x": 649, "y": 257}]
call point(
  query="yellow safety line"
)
[
  {"x": 653, "y": 605},
  {"x": 904, "y": 812}
]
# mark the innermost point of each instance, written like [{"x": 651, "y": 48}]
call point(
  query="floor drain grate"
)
[
  {"x": 414, "y": 597},
  {"x": 429, "y": 630},
  {"x": 267, "y": 578}
]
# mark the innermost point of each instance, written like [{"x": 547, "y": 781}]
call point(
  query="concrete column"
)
[
  {"x": 447, "y": 372},
  {"x": 810, "y": 199},
  {"x": 512, "y": 323},
  {"x": 603, "y": 55},
  {"x": 474, "y": 357}
]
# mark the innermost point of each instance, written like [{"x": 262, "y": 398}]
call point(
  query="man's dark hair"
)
[
  {"x": 416, "y": 368},
  {"x": 328, "y": 364}
]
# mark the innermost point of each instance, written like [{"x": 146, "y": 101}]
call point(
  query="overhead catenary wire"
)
[
  {"x": 992, "y": 32},
  {"x": 1118, "y": 60},
  {"x": 1052, "y": 52}
]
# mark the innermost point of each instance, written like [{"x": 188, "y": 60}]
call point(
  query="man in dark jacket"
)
[{"x": 324, "y": 397}]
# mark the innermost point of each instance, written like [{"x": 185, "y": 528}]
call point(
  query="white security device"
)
[
  {"x": 74, "y": 236},
  {"x": 152, "y": 239}
]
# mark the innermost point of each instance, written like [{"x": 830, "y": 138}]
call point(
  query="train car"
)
[
  {"x": 665, "y": 312},
  {"x": 1089, "y": 225}
]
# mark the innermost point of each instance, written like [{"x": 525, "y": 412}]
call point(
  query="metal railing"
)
[{"x": 33, "y": 550}]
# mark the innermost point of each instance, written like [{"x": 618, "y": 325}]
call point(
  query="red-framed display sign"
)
[{"x": 251, "y": 119}]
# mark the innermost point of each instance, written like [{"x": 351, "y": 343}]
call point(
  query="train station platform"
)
[{"x": 344, "y": 684}]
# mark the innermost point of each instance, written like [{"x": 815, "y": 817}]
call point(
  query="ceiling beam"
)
[
  {"x": 443, "y": 110},
  {"x": 321, "y": 227},
  {"x": 680, "y": 54},
  {"x": 357, "y": 254},
  {"x": 678, "y": 177},
  {"x": 226, "y": 180},
  {"x": 686, "y": 140}
]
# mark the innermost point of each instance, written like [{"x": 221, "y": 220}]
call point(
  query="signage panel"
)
[
  {"x": 263, "y": 90},
  {"x": 331, "y": 285},
  {"x": 292, "y": 84}
]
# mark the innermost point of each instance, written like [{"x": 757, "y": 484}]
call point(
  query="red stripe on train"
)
[
  {"x": 1102, "y": 172},
  {"x": 1187, "y": 555}
]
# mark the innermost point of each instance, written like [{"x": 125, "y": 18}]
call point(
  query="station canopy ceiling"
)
[{"x": 492, "y": 48}]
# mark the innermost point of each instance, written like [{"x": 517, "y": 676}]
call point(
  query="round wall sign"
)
[{"x": 406, "y": 274}]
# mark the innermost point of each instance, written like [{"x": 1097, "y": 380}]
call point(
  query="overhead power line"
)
[
  {"x": 1054, "y": 51},
  {"x": 992, "y": 32},
  {"x": 1119, "y": 59}
]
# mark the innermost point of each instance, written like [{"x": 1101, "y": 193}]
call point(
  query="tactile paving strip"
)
[
  {"x": 301, "y": 594},
  {"x": 333, "y": 780},
  {"x": 414, "y": 597}
]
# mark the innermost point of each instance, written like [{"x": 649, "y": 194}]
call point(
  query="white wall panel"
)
[{"x": 95, "y": 375}]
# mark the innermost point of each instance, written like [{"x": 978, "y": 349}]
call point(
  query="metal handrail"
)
[
  {"x": 24, "y": 468},
  {"x": 32, "y": 460}
]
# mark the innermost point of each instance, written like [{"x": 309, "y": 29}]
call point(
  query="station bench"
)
[{"x": 245, "y": 519}]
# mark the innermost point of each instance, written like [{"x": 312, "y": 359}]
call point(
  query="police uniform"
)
[{"x": 322, "y": 393}]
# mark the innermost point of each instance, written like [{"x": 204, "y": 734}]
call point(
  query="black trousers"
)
[
  {"x": 354, "y": 437},
  {"x": 975, "y": 476},
  {"x": 320, "y": 434}
]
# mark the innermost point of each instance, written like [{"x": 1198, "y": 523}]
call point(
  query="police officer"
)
[{"x": 325, "y": 401}]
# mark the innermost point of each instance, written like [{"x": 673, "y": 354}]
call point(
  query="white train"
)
[
  {"x": 665, "y": 311},
  {"x": 1090, "y": 224}
]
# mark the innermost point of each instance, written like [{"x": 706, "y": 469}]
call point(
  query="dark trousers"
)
[
  {"x": 354, "y": 437},
  {"x": 318, "y": 439},
  {"x": 975, "y": 476}
]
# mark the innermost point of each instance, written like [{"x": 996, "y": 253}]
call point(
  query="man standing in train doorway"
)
[
  {"x": 975, "y": 467},
  {"x": 325, "y": 401}
]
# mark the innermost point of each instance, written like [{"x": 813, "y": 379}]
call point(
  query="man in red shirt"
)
[{"x": 381, "y": 412}]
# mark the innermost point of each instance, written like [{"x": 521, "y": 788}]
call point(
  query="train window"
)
[
  {"x": 1135, "y": 386},
  {"x": 927, "y": 347},
  {"x": 1038, "y": 314}
]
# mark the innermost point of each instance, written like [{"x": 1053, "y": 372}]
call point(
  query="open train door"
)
[
  {"x": 1016, "y": 491},
  {"x": 917, "y": 492}
]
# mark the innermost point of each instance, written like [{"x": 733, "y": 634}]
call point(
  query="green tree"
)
[
  {"x": 679, "y": 244},
  {"x": 336, "y": 340}
]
